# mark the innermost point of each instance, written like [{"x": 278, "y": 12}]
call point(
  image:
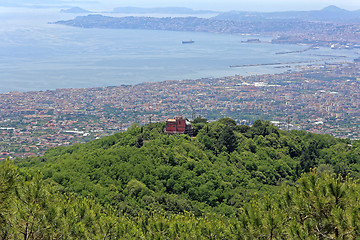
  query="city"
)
[
  {"x": 164, "y": 122},
  {"x": 317, "y": 98}
]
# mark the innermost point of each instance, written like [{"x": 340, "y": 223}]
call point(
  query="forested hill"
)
[
  {"x": 216, "y": 171},
  {"x": 221, "y": 184}
]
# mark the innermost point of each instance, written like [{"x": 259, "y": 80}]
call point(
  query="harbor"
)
[
  {"x": 286, "y": 63},
  {"x": 298, "y": 51}
]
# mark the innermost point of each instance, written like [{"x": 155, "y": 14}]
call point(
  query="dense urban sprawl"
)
[{"x": 321, "y": 99}]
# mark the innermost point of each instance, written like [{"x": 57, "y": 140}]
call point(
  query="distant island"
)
[{"x": 74, "y": 10}]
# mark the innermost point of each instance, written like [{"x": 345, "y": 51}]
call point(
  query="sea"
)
[{"x": 36, "y": 55}]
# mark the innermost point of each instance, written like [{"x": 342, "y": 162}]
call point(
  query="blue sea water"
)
[{"x": 35, "y": 55}]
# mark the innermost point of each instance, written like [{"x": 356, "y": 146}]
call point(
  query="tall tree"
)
[{"x": 228, "y": 139}]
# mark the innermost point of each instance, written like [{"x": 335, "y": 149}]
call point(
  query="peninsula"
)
[{"x": 294, "y": 31}]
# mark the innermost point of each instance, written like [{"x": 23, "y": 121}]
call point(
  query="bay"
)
[{"x": 35, "y": 55}]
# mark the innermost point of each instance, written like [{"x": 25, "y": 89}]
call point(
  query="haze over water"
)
[{"x": 35, "y": 55}]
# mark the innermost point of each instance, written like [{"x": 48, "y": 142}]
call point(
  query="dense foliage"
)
[
  {"x": 320, "y": 206},
  {"x": 217, "y": 171}
]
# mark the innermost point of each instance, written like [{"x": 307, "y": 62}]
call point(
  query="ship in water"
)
[
  {"x": 189, "y": 41},
  {"x": 252, "y": 40}
]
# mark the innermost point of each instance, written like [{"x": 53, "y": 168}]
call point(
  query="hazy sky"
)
[
  {"x": 246, "y": 5},
  {"x": 222, "y": 5}
]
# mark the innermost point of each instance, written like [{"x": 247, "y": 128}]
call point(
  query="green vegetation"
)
[
  {"x": 229, "y": 182},
  {"x": 320, "y": 206},
  {"x": 216, "y": 171}
]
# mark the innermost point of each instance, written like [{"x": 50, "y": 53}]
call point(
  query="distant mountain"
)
[
  {"x": 333, "y": 9},
  {"x": 75, "y": 10},
  {"x": 329, "y": 14},
  {"x": 168, "y": 10}
]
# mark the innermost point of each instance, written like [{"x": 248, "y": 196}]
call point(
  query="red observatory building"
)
[{"x": 178, "y": 125}]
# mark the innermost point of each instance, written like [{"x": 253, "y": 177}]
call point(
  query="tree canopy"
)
[
  {"x": 216, "y": 172},
  {"x": 229, "y": 182},
  {"x": 320, "y": 205}
]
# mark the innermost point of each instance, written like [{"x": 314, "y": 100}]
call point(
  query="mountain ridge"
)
[{"x": 330, "y": 13}]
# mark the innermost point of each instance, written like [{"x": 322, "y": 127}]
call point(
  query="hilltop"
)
[
  {"x": 216, "y": 171},
  {"x": 229, "y": 182},
  {"x": 74, "y": 10}
]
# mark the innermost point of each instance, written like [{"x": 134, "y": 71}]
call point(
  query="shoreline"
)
[{"x": 285, "y": 63}]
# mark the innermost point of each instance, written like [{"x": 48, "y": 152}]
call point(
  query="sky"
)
[
  {"x": 243, "y": 5},
  {"x": 219, "y": 5}
]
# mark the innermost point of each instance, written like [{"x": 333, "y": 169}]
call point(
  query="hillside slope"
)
[
  {"x": 216, "y": 171},
  {"x": 320, "y": 206}
]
